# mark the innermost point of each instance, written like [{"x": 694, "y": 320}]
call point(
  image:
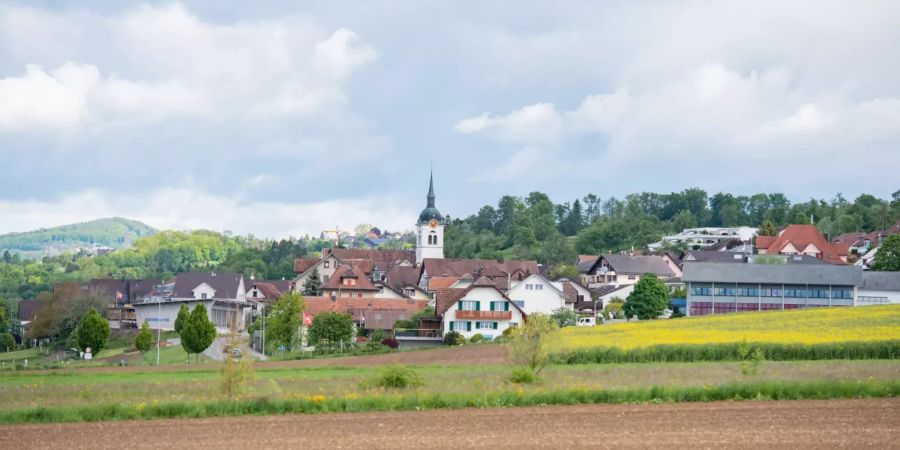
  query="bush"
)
[
  {"x": 390, "y": 342},
  {"x": 522, "y": 375},
  {"x": 92, "y": 332},
  {"x": 564, "y": 317},
  {"x": 477, "y": 338},
  {"x": 7, "y": 342},
  {"x": 395, "y": 377},
  {"x": 332, "y": 327},
  {"x": 454, "y": 338},
  {"x": 507, "y": 334},
  {"x": 377, "y": 335},
  {"x": 373, "y": 347},
  {"x": 143, "y": 341}
]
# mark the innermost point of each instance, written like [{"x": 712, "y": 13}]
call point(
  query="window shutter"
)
[
  {"x": 459, "y": 305},
  {"x": 506, "y": 306},
  {"x": 468, "y": 326},
  {"x": 478, "y": 305},
  {"x": 451, "y": 325},
  {"x": 495, "y": 325}
]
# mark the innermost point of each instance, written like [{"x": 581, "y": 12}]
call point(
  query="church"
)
[{"x": 429, "y": 229}]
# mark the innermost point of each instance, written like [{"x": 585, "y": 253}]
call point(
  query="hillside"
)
[{"x": 111, "y": 232}]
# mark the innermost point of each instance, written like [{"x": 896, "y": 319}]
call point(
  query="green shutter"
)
[
  {"x": 506, "y": 306},
  {"x": 451, "y": 325},
  {"x": 459, "y": 305},
  {"x": 468, "y": 326},
  {"x": 495, "y": 325},
  {"x": 478, "y": 306},
  {"x": 492, "y": 306}
]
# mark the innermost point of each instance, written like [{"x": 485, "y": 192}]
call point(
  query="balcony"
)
[{"x": 484, "y": 315}]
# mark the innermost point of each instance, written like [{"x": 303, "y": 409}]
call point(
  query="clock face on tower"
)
[{"x": 433, "y": 223}]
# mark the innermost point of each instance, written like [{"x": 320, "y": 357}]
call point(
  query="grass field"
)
[{"x": 870, "y": 323}]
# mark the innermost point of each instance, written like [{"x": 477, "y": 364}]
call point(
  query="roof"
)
[
  {"x": 764, "y": 242},
  {"x": 303, "y": 264},
  {"x": 335, "y": 282},
  {"x": 800, "y": 236},
  {"x": 401, "y": 276},
  {"x": 713, "y": 256},
  {"x": 383, "y": 260},
  {"x": 773, "y": 273},
  {"x": 638, "y": 264},
  {"x": 608, "y": 289},
  {"x": 269, "y": 290},
  {"x": 225, "y": 284},
  {"x": 441, "y": 282},
  {"x": 444, "y": 267},
  {"x": 570, "y": 292},
  {"x": 445, "y": 298},
  {"x": 356, "y": 306},
  {"x": 430, "y": 212},
  {"x": 880, "y": 281},
  {"x": 484, "y": 282},
  {"x": 28, "y": 309}
]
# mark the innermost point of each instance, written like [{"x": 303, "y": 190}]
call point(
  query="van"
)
[{"x": 586, "y": 322}]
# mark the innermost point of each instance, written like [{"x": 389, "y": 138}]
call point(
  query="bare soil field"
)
[{"x": 871, "y": 423}]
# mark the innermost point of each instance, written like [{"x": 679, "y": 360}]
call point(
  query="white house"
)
[
  {"x": 478, "y": 309},
  {"x": 537, "y": 294},
  {"x": 223, "y": 295},
  {"x": 878, "y": 288}
]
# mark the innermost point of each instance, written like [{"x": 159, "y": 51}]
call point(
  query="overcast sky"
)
[{"x": 284, "y": 118}]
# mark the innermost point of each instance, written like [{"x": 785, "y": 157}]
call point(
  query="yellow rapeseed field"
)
[{"x": 868, "y": 323}]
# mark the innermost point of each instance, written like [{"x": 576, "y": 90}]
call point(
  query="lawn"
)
[{"x": 824, "y": 325}]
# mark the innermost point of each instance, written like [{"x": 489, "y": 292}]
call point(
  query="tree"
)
[
  {"x": 7, "y": 342},
  {"x": 529, "y": 345},
  {"x": 92, "y": 331},
  {"x": 648, "y": 300},
  {"x": 198, "y": 333},
  {"x": 564, "y": 271},
  {"x": 684, "y": 220},
  {"x": 144, "y": 339},
  {"x": 7, "y": 258},
  {"x": 313, "y": 284},
  {"x": 331, "y": 327},
  {"x": 888, "y": 256},
  {"x": 184, "y": 314},
  {"x": 283, "y": 322},
  {"x": 767, "y": 229},
  {"x": 564, "y": 317}
]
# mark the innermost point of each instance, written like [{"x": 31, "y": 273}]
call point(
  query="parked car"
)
[{"x": 586, "y": 322}]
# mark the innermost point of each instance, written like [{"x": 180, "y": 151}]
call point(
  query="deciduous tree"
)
[
  {"x": 648, "y": 300},
  {"x": 529, "y": 344},
  {"x": 283, "y": 322},
  {"x": 331, "y": 327},
  {"x": 92, "y": 331},
  {"x": 888, "y": 256}
]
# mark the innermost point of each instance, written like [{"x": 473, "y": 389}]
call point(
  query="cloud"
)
[{"x": 187, "y": 208}]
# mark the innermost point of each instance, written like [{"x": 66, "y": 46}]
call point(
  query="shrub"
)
[
  {"x": 395, "y": 377},
  {"x": 7, "y": 342},
  {"x": 477, "y": 338},
  {"x": 507, "y": 334},
  {"x": 331, "y": 326},
  {"x": 390, "y": 342},
  {"x": 377, "y": 335},
  {"x": 144, "y": 339},
  {"x": 564, "y": 317},
  {"x": 522, "y": 375},
  {"x": 454, "y": 338},
  {"x": 531, "y": 346},
  {"x": 374, "y": 347},
  {"x": 93, "y": 331}
]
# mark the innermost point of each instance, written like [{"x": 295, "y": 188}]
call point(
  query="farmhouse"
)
[{"x": 481, "y": 308}]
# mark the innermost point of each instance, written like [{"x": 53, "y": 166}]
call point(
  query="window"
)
[
  {"x": 468, "y": 305},
  {"x": 842, "y": 293},
  {"x": 701, "y": 291},
  {"x": 327, "y": 264},
  {"x": 519, "y": 303},
  {"x": 409, "y": 292},
  {"x": 500, "y": 306},
  {"x": 460, "y": 325},
  {"x": 359, "y": 295},
  {"x": 631, "y": 277},
  {"x": 872, "y": 300},
  {"x": 725, "y": 292},
  {"x": 203, "y": 296},
  {"x": 701, "y": 308},
  {"x": 486, "y": 325},
  {"x": 529, "y": 287},
  {"x": 539, "y": 287},
  {"x": 324, "y": 278}
]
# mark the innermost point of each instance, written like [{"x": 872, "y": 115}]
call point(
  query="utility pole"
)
[{"x": 158, "y": 326}]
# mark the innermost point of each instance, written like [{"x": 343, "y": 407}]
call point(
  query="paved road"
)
[{"x": 794, "y": 425}]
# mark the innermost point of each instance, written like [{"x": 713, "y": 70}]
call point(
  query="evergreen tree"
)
[
  {"x": 144, "y": 339},
  {"x": 92, "y": 332},
  {"x": 198, "y": 332},
  {"x": 183, "y": 316},
  {"x": 767, "y": 229},
  {"x": 648, "y": 300},
  {"x": 313, "y": 285}
]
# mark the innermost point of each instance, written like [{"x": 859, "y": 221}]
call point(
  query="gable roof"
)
[
  {"x": 450, "y": 267},
  {"x": 401, "y": 276},
  {"x": 445, "y": 298},
  {"x": 356, "y": 307},
  {"x": 269, "y": 290},
  {"x": 225, "y": 284},
  {"x": 800, "y": 236},
  {"x": 335, "y": 282},
  {"x": 880, "y": 281},
  {"x": 382, "y": 260},
  {"x": 303, "y": 264},
  {"x": 636, "y": 264}
]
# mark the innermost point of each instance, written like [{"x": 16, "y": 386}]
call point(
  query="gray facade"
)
[{"x": 725, "y": 288}]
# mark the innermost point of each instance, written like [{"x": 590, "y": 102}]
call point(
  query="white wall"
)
[
  {"x": 163, "y": 315},
  {"x": 892, "y": 297},
  {"x": 537, "y": 300},
  {"x": 485, "y": 296}
]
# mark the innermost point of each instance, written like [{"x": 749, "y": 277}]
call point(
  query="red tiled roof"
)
[
  {"x": 268, "y": 290},
  {"x": 335, "y": 282},
  {"x": 448, "y": 267},
  {"x": 435, "y": 283},
  {"x": 383, "y": 260},
  {"x": 764, "y": 242},
  {"x": 800, "y": 236},
  {"x": 303, "y": 264},
  {"x": 400, "y": 276},
  {"x": 354, "y": 306}
]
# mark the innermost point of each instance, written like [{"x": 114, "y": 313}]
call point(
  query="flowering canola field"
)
[{"x": 813, "y": 326}]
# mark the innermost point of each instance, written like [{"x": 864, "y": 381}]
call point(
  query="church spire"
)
[{"x": 430, "y": 190}]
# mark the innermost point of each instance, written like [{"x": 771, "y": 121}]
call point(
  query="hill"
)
[
  {"x": 113, "y": 232},
  {"x": 866, "y": 323}
]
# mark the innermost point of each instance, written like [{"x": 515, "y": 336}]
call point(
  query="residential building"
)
[
  {"x": 267, "y": 290},
  {"x": 715, "y": 288},
  {"x": 374, "y": 263},
  {"x": 878, "y": 288},
  {"x": 445, "y": 271},
  {"x": 367, "y": 313},
  {"x": 223, "y": 295},
  {"x": 429, "y": 229},
  {"x": 537, "y": 294},
  {"x": 349, "y": 281},
  {"x": 481, "y": 308},
  {"x": 700, "y": 238},
  {"x": 803, "y": 240},
  {"x": 620, "y": 270}
]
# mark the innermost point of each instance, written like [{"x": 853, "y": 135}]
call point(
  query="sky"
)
[{"x": 284, "y": 118}]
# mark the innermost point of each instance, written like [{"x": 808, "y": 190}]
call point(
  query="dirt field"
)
[{"x": 790, "y": 424}]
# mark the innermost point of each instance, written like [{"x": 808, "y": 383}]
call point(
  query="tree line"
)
[{"x": 534, "y": 227}]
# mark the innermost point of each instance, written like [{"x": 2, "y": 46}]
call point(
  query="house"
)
[
  {"x": 878, "y": 288},
  {"x": 405, "y": 280},
  {"x": 367, "y": 313},
  {"x": 537, "y": 294},
  {"x": 349, "y": 281},
  {"x": 700, "y": 238},
  {"x": 481, "y": 308},
  {"x": 267, "y": 290},
  {"x": 436, "y": 273},
  {"x": 741, "y": 258},
  {"x": 374, "y": 263},
  {"x": 223, "y": 295},
  {"x": 715, "y": 288},
  {"x": 805, "y": 240},
  {"x": 624, "y": 269},
  {"x": 859, "y": 243}
]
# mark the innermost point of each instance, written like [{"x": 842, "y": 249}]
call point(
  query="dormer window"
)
[
  {"x": 327, "y": 264},
  {"x": 203, "y": 296}
]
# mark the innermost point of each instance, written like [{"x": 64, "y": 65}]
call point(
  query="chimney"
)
[{"x": 252, "y": 276}]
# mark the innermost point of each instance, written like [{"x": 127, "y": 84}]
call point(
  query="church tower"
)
[{"x": 429, "y": 229}]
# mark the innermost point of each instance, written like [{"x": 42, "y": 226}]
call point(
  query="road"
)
[{"x": 795, "y": 425}]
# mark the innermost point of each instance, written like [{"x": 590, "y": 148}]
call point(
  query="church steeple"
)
[
  {"x": 430, "y": 228},
  {"x": 430, "y": 212},
  {"x": 430, "y": 191}
]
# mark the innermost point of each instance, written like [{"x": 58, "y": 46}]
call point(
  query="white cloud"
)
[
  {"x": 187, "y": 208},
  {"x": 165, "y": 61}
]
